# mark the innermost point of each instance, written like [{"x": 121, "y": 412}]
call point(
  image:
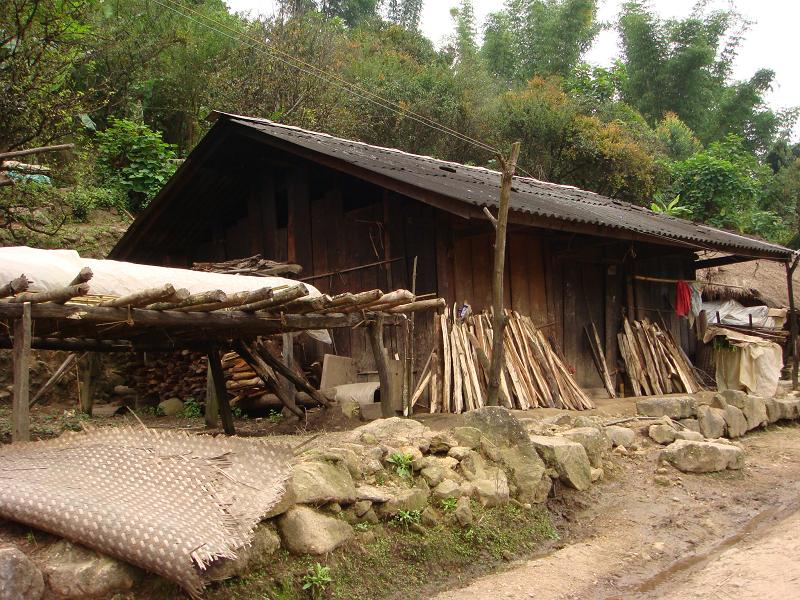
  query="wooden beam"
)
[
  {"x": 721, "y": 261},
  {"x": 267, "y": 375},
  {"x": 29, "y": 151},
  {"x": 293, "y": 377},
  {"x": 388, "y": 392},
  {"x": 218, "y": 382},
  {"x": 20, "y": 414},
  {"x": 88, "y": 371}
]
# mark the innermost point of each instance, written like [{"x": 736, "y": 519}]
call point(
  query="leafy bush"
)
[
  {"x": 134, "y": 158},
  {"x": 317, "y": 579},
  {"x": 192, "y": 409},
  {"x": 406, "y": 518},
  {"x": 84, "y": 199},
  {"x": 402, "y": 463}
]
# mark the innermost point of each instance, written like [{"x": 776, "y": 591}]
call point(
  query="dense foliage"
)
[{"x": 666, "y": 126}]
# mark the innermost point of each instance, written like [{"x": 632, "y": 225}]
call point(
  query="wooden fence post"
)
[
  {"x": 218, "y": 381},
  {"x": 88, "y": 372},
  {"x": 20, "y": 414},
  {"x": 382, "y": 365},
  {"x": 212, "y": 404}
]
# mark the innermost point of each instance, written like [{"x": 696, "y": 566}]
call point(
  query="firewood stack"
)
[
  {"x": 654, "y": 362},
  {"x": 252, "y": 265},
  {"x": 456, "y": 374}
]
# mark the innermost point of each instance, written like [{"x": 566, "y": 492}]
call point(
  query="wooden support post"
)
[
  {"x": 20, "y": 415},
  {"x": 212, "y": 403},
  {"x": 293, "y": 377},
  {"x": 287, "y": 355},
  {"x": 266, "y": 373},
  {"x": 499, "y": 317},
  {"x": 88, "y": 371},
  {"x": 382, "y": 365},
  {"x": 790, "y": 268},
  {"x": 218, "y": 381}
]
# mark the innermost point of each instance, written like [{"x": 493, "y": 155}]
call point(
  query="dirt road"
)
[{"x": 725, "y": 536}]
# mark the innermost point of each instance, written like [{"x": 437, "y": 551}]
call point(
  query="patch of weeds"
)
[
  {"x": 406, "y": 518},
  {"x": 380, "y": 479},
  {"x": 362, "y": 526},
  {"x": 275, "y": 417},
  {"x": 237, "y": 413},
  {"x": 192, "y": 409},
  {"x": 317, "y": 579},
  {"x": 401, "y": 463},
  {"x": 31, "y": 539},
  {"x": 449, "y": 504}
]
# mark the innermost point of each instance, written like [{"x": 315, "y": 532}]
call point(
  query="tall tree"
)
[{"x": 406, "y": 13}]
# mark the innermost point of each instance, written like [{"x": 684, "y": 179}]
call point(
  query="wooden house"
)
[{"x": 356, "y": 217}]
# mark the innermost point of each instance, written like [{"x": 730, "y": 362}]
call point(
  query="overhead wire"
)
[{"x": 327, "y": 76}]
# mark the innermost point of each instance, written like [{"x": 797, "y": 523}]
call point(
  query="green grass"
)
[{"x": 398, "y": 562}]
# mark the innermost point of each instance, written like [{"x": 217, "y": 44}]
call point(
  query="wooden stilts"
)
[
  {"x": 218, "y": 381},
  {"x": 20, "y": 415},
  {"x": 790, "y": 268},
  {"x": 212, "y": 403},
  {"x": 382, "y": 365},
  {"x": 88, "y": 371},
  {"x": 287, "y": 355}
]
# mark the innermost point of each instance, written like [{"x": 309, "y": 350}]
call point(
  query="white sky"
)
[{"x": 768, "y": 44}]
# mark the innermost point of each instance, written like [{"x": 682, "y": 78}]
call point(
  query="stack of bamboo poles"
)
[
  {"x": 456, "y": 373},
  {"x": 654, "y": 362}
]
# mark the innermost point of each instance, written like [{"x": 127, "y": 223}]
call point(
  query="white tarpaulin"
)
[
  {"x": 732, "y": 312},
  {"x": 51, "y": 269},
  {"x": 752, "y": 364}
]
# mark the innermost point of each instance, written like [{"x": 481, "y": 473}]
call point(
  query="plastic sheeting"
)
[
  {"x": 732, "y": 312},
  {"x": 752, "y": 364},
  {"x": 51, "y": 269}
]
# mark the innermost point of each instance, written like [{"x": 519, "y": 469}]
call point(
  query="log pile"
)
[
  {"x": 456, "y": 373},
  {"x": 255, "y": 266},
  {"x": 654, "y": 362}
]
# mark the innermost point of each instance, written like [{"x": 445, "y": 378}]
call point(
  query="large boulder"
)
[
  {"x": 393, "y": 429},
  {"x": 508, "y": 435},
  {"x": 20, "y": 578},
  {"x": 735, "y": 422},
  {"x": 668, "y": 432},
  {"x": 703, "y": 457},
  {"x": 72, "y": 571},
  {"x": 712, "y": 421},
  {"x": 674, "y": 407},
  {"x": 264, "y": 543},
  {"x": 594, "y": 441},
  {"x": 469, "y": 437},
  {"x": 620, "y": 436},
  {"x": 773, "y": 410},
  {"x": 755, "y": 412},
  {"x": 305, "y": 531},
  {"x": 735, "y": 398},
  {"x": 171, "y": 407},
  {"x": 408, "y": 499},
  {"x": 568, "y": 458},
  {"x": 321, "y": 482},
  {"x": 788, "y": 408},
  {"x": 491, "y": 492},
  {"x": 447, "y": 489}
]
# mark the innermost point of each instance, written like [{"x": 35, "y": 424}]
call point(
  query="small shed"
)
[{"x": 358, "y": 217}]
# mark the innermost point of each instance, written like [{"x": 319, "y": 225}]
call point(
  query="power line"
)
[{"x": 328, "y": 77}]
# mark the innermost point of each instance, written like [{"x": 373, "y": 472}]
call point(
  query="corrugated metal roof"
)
[{"x": 479, "y": 187}]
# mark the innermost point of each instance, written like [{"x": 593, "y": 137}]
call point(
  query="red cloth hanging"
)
[{"x": 683, "y": 298}]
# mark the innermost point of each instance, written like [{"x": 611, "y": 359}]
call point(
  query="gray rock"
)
[
  {"x": 788, "y": 408},
  {"x": 678, "y": 407},
  {"x": 408, "y": 499},
  {"x": 703, "y": 457},
  {"x": 755, "y": 412},
  {"x": 541, "y": 492},
  {"x": 562, "y": 420},
  {"x": 346, "y": 456},
  {"x": 735, "y": 398},
  {"x": 389, "y": 430},
  {"x": 691, "y": 424},
  {"x": 440, "y": 442},
  {"x": 370, "y": 466},
  {"x": 773, "y": 410},
  {"x": 568, "y": 458},
  {"x": 662, "y": 433},
  {"x": 593, "y": 440},
  {"x": 373, "y": 493},
  {"x": 20, "y": 578},
  {"x": 735, "y": 421},
  {"x": 620, "y": 436},
  {"x": 463, "y": 512},
  {"x": 469, "y": 437},
  {"x": 447, "y": 489},
  {"x": 433, "y": 475},
  {"x": 459, "y": 452},
  {"x": 527, "y": 472},
  {"x": 584, "y": 421},
  {"x": 321, "y": 482},
  {"x": 499, "y": 425},
  {"x": 305, "y": 531},
  {"x": 429, "y": 517},
  {"x": 688, "y": 434},
  {"x": 490, "y": 450},
  {"x": 712, "y": 421},
  {"x": 597, "y": 474},
  {"x": 491, "y": 492},
  {"x": 264, "y": 544},
  {"x": 171, "y": 407},
  {"x": 361, "y": 507},
  {"x": 72, "y": 571}
]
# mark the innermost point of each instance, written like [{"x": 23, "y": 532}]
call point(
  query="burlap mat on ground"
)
[{"x": 166, "y": 501}]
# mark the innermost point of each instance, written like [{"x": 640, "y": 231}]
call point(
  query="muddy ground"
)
[{"x": 727, "y": 535}]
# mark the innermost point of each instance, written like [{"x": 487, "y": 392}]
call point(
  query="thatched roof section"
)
[{"x": 757, "y": 281}]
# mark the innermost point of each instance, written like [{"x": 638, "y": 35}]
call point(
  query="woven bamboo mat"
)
[{"x": 166, "y": 501}]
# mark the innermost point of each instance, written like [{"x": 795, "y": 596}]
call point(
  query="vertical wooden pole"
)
[
  {"x": 88, "y": 371},
  {"x": 382, "y": 365},
  {"x": 790, "y": 268},
  {"x": 20, "y": 415},
  {"x": 288, "y": 360},
  {"x": 218, "y": 381},
  {"x": 212, "y": 403},
  {"x": 499, "y": 317}
]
